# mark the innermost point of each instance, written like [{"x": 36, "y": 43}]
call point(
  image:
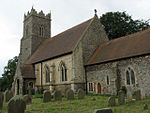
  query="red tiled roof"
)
[
  {"x": 27, "y": 71},
  {"x": 60, "y": 44},
  {"x": 128, "y": 46}
]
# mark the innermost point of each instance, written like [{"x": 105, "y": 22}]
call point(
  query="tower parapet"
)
[{"x": 33, "y": 12}]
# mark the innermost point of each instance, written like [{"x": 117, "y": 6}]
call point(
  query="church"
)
[{"x": 80, "y": 57}]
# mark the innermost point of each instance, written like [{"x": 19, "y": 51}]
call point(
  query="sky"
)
[{"x": 65, "y": 14}]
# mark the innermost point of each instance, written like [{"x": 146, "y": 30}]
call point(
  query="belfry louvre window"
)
[{"x": 41, "y": 31}]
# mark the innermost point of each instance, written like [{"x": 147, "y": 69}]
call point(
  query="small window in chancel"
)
[{"x": 107, "y": 80}]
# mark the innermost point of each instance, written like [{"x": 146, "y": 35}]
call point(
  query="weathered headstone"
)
[
  {"x": 57, "y": 95},
  {"x": 105, "y": 110},
  {"x": 70, "y": 94},
  {"x": 81, "y": 94},
  {"x": 16, "y": 105},
  {"x": 129, "y": 96},
  {"x": 145, "y": 106},
  {"x": 143, "y": 95},
  {"x": 1, "y": 100},
  {"x": 138, "y": 95},
  {"x": 8, "y": 95},
  {"x": 46, "y": 96},
  {"x": 111, "y": 101},
  {"x": 27, "y": 99},
  {"x": 121, "y": 97}
]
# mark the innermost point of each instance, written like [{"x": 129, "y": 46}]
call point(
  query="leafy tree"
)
[
  {"x": 117, "y": 24},
  {"x": 8, "y": 74}
]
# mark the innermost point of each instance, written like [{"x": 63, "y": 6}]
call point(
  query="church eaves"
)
[{"x": 136, "y": 44}]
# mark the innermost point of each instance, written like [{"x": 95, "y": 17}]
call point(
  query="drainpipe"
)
[{"x": 41, "y": 76}]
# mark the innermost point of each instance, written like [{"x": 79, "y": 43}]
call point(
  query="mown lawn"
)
[{"x": 86, "y": 105}]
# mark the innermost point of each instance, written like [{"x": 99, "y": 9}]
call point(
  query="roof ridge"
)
[
  {"x": 127, "y": 36},
  {"x": 50, "y": 38}
]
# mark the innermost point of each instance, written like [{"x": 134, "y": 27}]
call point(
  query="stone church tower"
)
[{"x": 37, "y": 27}]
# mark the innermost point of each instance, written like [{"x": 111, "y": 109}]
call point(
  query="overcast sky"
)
[{"x": 65, "y": 14}]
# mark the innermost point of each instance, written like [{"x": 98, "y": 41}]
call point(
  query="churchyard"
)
[{"x": 74, "y": 104}]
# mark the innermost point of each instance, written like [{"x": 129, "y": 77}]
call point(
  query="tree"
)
[
  {"x": 118, "y": 24},
  {"x": 8, "y": 74}
]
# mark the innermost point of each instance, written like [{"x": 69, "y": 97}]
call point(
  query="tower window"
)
[{"x": 41, "y": 31}]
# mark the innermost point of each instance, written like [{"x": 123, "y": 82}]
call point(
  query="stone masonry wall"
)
[
  {"x": 55, "y": 73},
  {"x": 93, "y": 35},
  {"x": 140, "y": 66}
]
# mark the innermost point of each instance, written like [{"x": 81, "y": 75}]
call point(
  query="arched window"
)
[
  {"x": 130, "y": 77},
  {"x": 47, "y": 74},
  {"x": 127, "y": 77},
  {"x": 63, "y": 71},
  {"x": 41, "y": 31}
]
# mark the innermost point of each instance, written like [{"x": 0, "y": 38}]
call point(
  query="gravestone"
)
[
  {"x": 1, "y": 100},
  {"x": 70, "y": 94},
  {"x": 138, "y": 95},
  {"x": 111, "y": 101},
  {"x": 129, "y": 96},
  {"x": 145, "y": 106},
  {"x": 143, "y": 96},
  {"x": 8, "y": 95},
  {"x": 81, "y": 94},
  {"x": 104, "y": 110},
  {"x": 27, "y": 99},
  {"x": 121, "y": 97},
  {"x": 47, "y": 96},
  {"x": 57, "y": 95},
  {"x": 16, "y": 105}
]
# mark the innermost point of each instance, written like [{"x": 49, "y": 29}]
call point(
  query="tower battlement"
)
[{"x": 35, "y": 13}]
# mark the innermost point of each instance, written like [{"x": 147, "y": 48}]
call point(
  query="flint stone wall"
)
[{"x": 140, "y": 65}]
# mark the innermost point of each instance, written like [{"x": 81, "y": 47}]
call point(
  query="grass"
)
[{"x": 87, "y": 105}]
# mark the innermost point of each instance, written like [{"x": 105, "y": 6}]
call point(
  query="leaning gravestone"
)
[
  {"x": 121, "y": 97},
  {"x": 16, "y": 105},
  {"x": 70, "y": 94},
  {"x": 111, "y": 101},
  {"x": 138, "y": 95},
  {"x": 27, "y": 99},
  {"x": 8, "y": 95},
  {"x": 57, "y": 95},
  {"x": 105, "y": 110},
  {"x": 81, "y": 94},
  {"x": 1, "y": 100},
  {"x": 46, "y": 96}
]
